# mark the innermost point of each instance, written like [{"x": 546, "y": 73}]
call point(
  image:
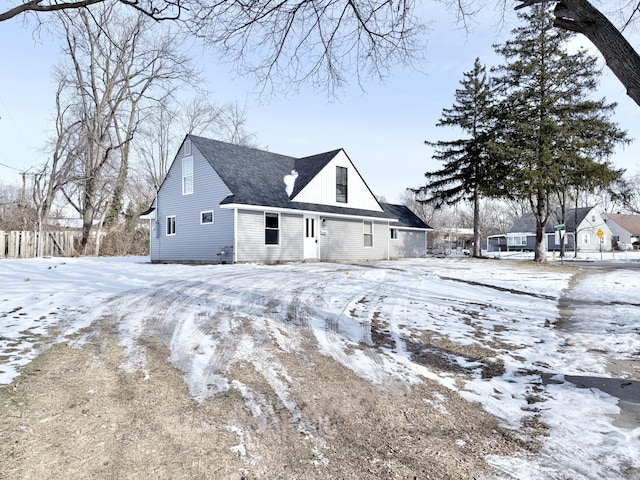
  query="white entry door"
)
[{"x": 310, "y": 229}]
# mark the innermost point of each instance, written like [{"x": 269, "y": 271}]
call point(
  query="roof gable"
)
[
  {"x": 321, "y": 188},
  {"x": 308, "y": 167},
  {"x": 260, "y": 178}
]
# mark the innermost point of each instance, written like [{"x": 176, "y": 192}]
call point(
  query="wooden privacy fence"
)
[{"x": 24, "y": 244}]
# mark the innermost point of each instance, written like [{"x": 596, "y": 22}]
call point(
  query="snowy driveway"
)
[{"x": 497, "y": 333}]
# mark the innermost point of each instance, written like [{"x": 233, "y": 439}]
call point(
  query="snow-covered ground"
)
[{"x": 538, "y": 325}]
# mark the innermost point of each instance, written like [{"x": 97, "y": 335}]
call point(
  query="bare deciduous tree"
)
[
  {"x": 158, "y": 9},
  {"x": 328, "y": 41},
  {"x": 167, "y": 124},
  {"x": 118, "y": 67}
]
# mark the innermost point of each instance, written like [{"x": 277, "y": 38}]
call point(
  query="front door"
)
[{"x": 310, "y": 228}]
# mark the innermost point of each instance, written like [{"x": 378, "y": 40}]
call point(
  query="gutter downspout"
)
[
  {"x": 388, "y": 240},
  {"x": 235, "y": 235}
]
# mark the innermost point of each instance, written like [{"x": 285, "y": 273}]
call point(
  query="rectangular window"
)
[
  {"x": 393, "y": 233},
  {"x": 368, "y": 233},
  {"x": 585, "y": 238},
  {"x": 310, "y": 226},
  {"x": 517, "y": 240},
  {"x": 271, "y": 228},
  {"x": 187, "y": 147},
  {"x": 206, "y": 217},
  {"x": 171, "y": 225},
  {"x": 187, "y": 176},
  {"x": 341, "y": 184}
]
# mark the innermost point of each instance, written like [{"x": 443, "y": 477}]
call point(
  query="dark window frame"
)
[
  {"x": 271, "y": 228},
  {"x": 170, "y": 225},
  {"x": 203, "y": 218},
  {"x": 341, "y": 184}
]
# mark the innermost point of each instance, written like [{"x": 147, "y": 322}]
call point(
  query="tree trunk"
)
[
  {"x": 87, "y": 225},
  {"x": 477, "y": 250},
  {"x": 541, "y": 214}
]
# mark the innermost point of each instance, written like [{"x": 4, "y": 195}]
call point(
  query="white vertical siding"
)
[
  {"x": 322, "y": 188},
  {"x": 192, "y": 241},
  {"x": 343, "y": 239},
  {"x": 251, "y": 245}
]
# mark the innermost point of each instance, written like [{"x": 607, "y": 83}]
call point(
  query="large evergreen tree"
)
[
  {"x": 467, "y": 172},
  {"x": 550, "y": 128}
]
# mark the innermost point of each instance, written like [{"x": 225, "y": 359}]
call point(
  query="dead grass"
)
[{"x": 74, "y": 414}]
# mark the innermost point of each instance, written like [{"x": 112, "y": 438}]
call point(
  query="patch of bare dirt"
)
[{"x": 75, "y": 414}]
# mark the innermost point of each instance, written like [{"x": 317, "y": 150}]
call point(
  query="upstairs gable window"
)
[
  {"x": 341, "y": 184},
  {"x": 187, "y": 175},
  {"x": 187, "y": 147}
]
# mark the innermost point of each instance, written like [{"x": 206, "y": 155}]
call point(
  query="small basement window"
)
[
  {"x": 271, "y": 228},
  {"x": 206, "y": 217}
]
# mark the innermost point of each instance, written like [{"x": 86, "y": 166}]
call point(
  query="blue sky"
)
[{"x": 382, "y": 129}]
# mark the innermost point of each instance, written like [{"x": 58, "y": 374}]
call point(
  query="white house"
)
[{"x": 625, "y": 229}]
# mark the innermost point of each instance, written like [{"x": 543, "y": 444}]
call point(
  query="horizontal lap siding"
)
[
  {"x": 193, "y": 241},
  {"x": 251, "y": 246},
  {"x": 343, "y": 239},
  {"x": 409, "y": 244}
]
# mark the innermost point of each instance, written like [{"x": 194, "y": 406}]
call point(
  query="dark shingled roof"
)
[
  {"x": 256, "y": 177},
  {"x": 527, "y": 222},
  {"x": 309, "y": 167},
  {"x": 406, "y": 218}
]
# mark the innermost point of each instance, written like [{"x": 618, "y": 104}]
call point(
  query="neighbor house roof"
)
[
  {"x": 406, "y": 218},
  {"x": 631, "y": 223},
  {"x": 527, "y": 222},
  {"x": 256, "y": 177}
]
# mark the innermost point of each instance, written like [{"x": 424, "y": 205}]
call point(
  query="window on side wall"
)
[
  {"x": 368, "y": 233},
  {"x": 187, "y": 176},
  {"x": 341, "y": 184},
  {"x": 206, "y": 217},
  {"x": 585, "y": 238},
  {"x": 393, "y": 233},
  {"x": 171, "y": 225},
  {"x": 271, "y": 228}
]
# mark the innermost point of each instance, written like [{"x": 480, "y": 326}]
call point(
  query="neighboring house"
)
[
  {"x": 225, "y": 202},
  {"x": 581, "y": 227},
  {"x": 625, "y": 230}
]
